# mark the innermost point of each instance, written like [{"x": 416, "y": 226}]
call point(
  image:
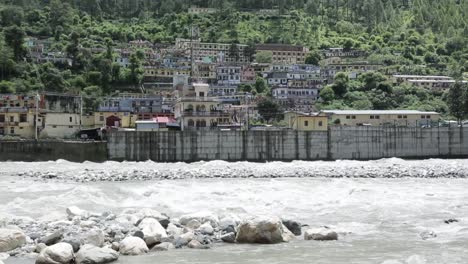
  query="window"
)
[
  {"x": 405, "y": 117},
  {"x": 306, "y": 123},
  {"x": 70, "y": 126},
  {"x": 54, "y": 126},
  {"x": 12, "y": 119},
  {"x": 400, "y": 116},
  {"x": 71, "y": 119},
  {"x": 377, "y": 117},
  {"x": 320, "y": 123},
  {"x": 21, "y": 127},
  {"x": 2, "y": 118},
  {"x": 371, "y": 117},
  {"x": 348, "y": 117},
  {"x": 423, "y": 117},
  {"x": 428, "y": 117},
  {"x": 101, "y": 118},
  {"x": 12, "y": 130},
  {"x": 353, "y": 117}
]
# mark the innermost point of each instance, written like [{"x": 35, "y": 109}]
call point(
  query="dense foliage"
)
[{"x": 409, "y": 37}]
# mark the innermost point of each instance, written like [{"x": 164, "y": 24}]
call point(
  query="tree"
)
[
  {"x": 136, "y": 69},
  {"x": 327, "y": 94},
  {"x": 249, "y": 51},
  {"x": 456, "y": 102},
  {"x": 264, "y": 57},
  {"x": 261, "y": 85},
  {"x": 340, "y": 85},
  {"x": 313, "y": 58},
  {"x": 269, "y": 110},
  {"x": 14, "y": 37}
]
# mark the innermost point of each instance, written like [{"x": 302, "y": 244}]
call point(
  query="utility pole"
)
[
  {"x": 37, "y": 116},
  {"x": 81, "y": 110}
]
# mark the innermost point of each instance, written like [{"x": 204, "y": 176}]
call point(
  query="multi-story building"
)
[
  {"x": 434, "y": 83},
  {"x": 285, "y": 54},
  {"x": 277, "y": 79},
  {"x": 409, "y": 118},
  {"x": 248, "y": 75},
  {"x": 205, "y": 72},
  {"x": 343, "y": 53},
  {"x": 353, "y": 68},
  {"x": 229, "y": 74},
  {"x": 219, "y": 52},
  {"x": 61, "y": 125},
  {"x": 196, "y": 110}
]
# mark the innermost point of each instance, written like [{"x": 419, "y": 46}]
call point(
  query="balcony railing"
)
[{"x": 206, "y": 114}]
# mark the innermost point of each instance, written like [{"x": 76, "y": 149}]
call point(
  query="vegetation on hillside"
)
[{"x": 409, "y": 37}]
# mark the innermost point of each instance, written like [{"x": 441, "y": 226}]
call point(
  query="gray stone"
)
[
  {"x": 115, "y": 246},
  {"x": 320, "y": 234},
  {"x": 229, "y": 238},
  {"x": 165, "y": 246},
  {"x": 90, "y": 254},
  {"x": 94, "y": 237},
  {"x": 60, "y": 253},
  {"x": 197, "y": 245},
  {"x": 139, "y": 234},
  {"x": 73, "y": 211},
  {"x": 206, "y": 229},
  {"x": 164, "y": 223},
  {"x": 51, "y": 239},
  {"x": 201, "y": 217},
  {"x": 40, "y": 247},
  {"x": 184, "y": 239},
  {"x": 193, "y": 224},
  {"x": 293, "y": 226},
  {"x": 11, "y": 239},
  {"x": 133, "y": 246},
  {"x": 263, "y": 231},
  {"x": 152, "y": 230},
  {"x": 75, "y": 243},
  {"x": 428, "y": 235}
]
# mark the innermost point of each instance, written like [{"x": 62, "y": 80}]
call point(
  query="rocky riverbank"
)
[
  {"x": 86, "y": 237},
  {"x": 141, "y": 171}
]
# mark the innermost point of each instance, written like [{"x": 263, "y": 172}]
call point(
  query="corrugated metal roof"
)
[{"x": 378, "y": 112}]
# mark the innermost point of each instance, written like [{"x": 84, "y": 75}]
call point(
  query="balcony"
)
[{"x": 205, "y": 114}]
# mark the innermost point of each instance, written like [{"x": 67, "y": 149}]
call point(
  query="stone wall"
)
[
  {"x": 338, "y": 143},
  {"x": 31, "y": 150}
]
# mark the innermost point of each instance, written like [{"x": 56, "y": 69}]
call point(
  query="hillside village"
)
[{"x": 197, "y": 85}]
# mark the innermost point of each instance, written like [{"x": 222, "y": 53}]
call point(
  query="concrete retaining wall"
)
[
  {"x": 52, "y": 150},
  {"x": 338, "y": 143}
]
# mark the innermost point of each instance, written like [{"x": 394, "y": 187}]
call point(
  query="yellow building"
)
[
  {"x": 306, "y": 122},
  {"x": 60, "y": 125},
  {"x": 410, "y": 118},
  {"x": 17, "y": 122}
]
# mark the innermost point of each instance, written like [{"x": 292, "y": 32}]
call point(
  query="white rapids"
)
[{"x": 381, "y": 206}]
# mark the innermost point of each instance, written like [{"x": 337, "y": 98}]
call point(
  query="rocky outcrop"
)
[
  {"x": 320, "y": 234},
  {"x": 133, "y": 246},
  {"x": 263, "y": 231},
  {"x": 90, "y": 254},
  {"x": 11, "y": 239},
  {"x": 61, "y": 253}
]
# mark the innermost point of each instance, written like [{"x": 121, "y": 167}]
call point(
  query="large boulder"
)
[
  {"x": 263, "y": 231},
  {"x": 173, "y": 230},
  {"x": 133, "y": 246},
  {"x": 94, "y": 237},
  {"x": 152, "y": 230},
  {"x": 73, "y": 211},
  {"x": 90, "y": 254},
  {"x": 60, "y": 253},
  {"x": 11, "y": 239},
  {"x": 293, "y": 226},
  {"x": 201, "y": 217},
  {"x": 320, "y": 234},
  {"x": 229, "y": 238}
]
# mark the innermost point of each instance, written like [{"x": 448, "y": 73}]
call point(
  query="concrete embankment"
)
[
  {"x": 362, "y": 143},
  {"x": 31, "y": 150}
]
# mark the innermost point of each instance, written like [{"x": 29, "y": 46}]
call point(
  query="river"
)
[{"x": 380, "y": 219}]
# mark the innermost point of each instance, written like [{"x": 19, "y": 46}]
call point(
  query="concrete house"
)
[{"x": 306, "y": 121}]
